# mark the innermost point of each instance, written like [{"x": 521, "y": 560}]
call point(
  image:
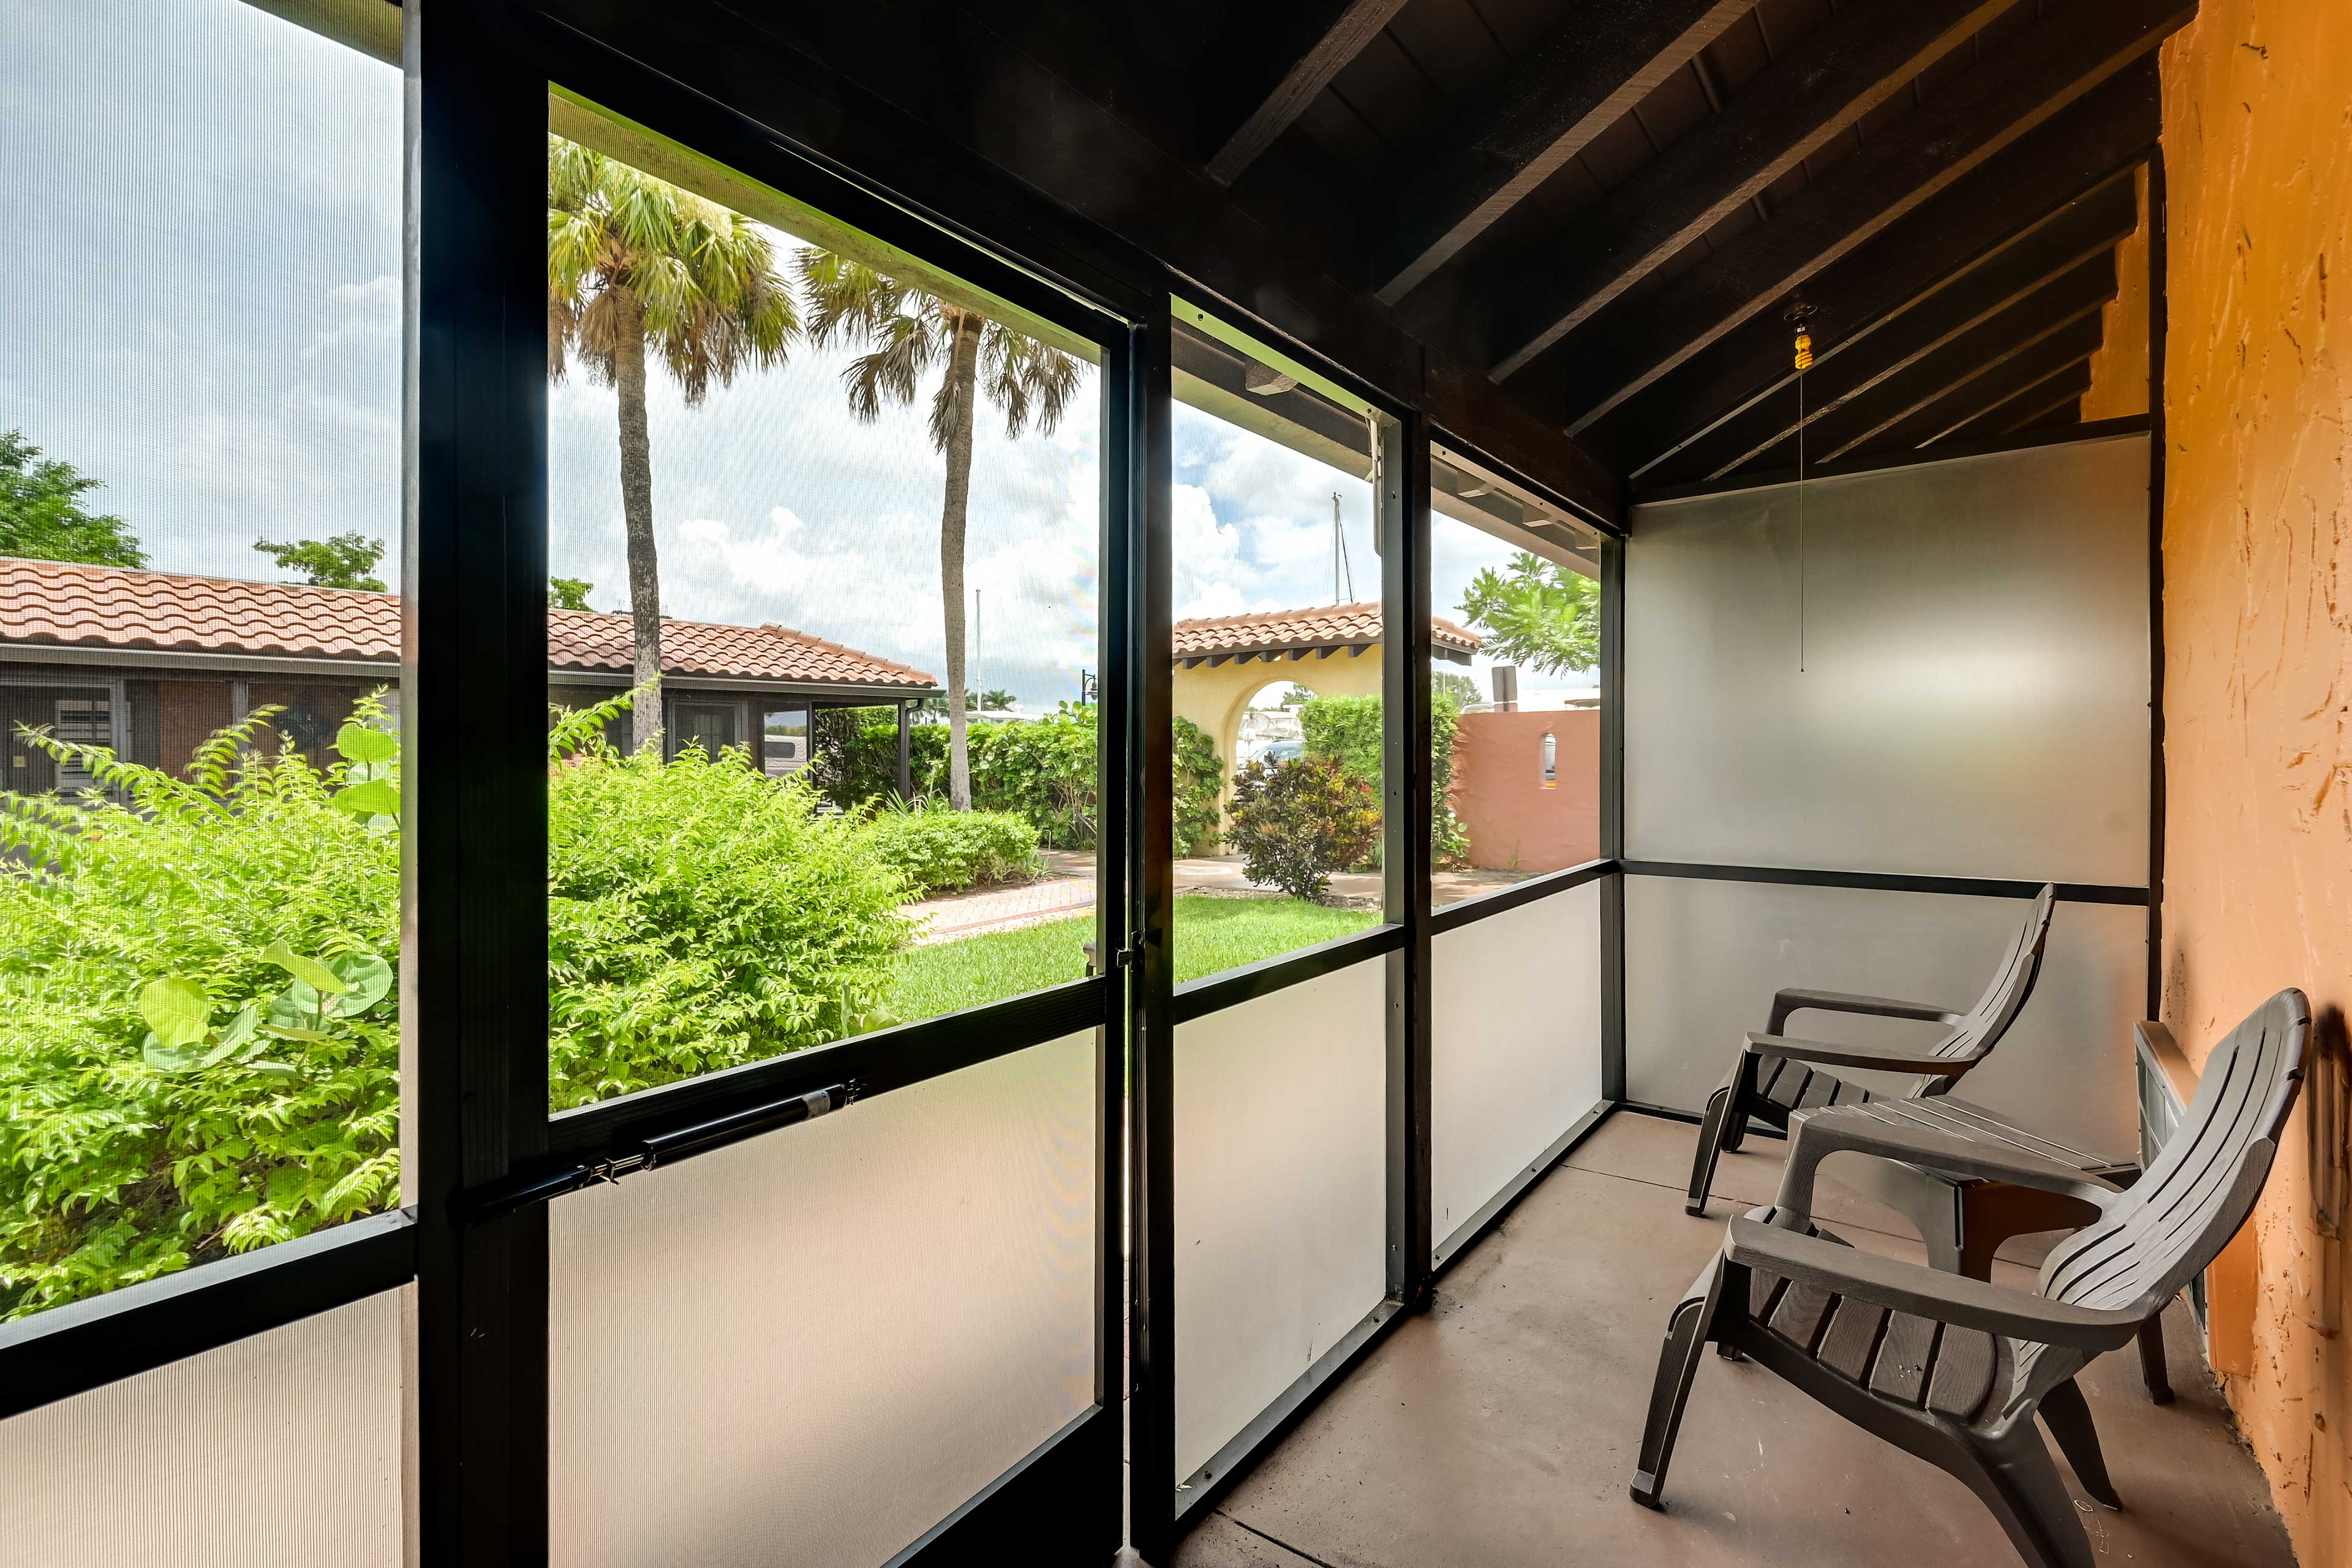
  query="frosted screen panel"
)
[
  {"x": 1281, "y": 1112},
  {"x": 812, "y": 1346},
  {"x": 1517, "y": 1054},
  {"x": 1939, "y": 669},
  {"x": 1704, "y": 958},
  {"x": 278, "y": 1451}
]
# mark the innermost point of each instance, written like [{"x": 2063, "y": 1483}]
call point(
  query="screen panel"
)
[
  {"x": 1276, "y": 647},
  {"x": 826, "y": 538},
  {"x": 1704, "y": 958},
  {"x": 283, "y": 1450},
  {"x": 1940, "y": 669},
  {"x": 1515, "y": 1050},
  {"x": 201, "y": 636},
  {"x": 1281, "y": 1195},
  {"x": 815, "y": 1345},
  {"x": 1515, "y": 682}
]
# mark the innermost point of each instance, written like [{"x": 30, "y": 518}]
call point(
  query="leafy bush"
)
[
  {"x": 702, "y": 916},
  {"x": 1347, "y": 730},
  {"x": 1200, "y": 776},
  {"x": 936, "y": 849},
  {"x": 1043, "y": 769},
  {"x": 196, "y": 1056},
  {"x": 1299, "y": 822},
  {"x": 200, "y": 1046}
]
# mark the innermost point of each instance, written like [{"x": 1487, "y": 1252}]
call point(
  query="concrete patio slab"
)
[{"x": 1499, "y": 1429}]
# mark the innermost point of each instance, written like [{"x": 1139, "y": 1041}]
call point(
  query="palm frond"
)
[
  {"x": 627, "y": 252},
  {"x": 1025, "y": 376}
]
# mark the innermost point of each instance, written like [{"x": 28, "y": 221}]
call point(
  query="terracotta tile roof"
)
[
  {"x": 1329, "y": 625},
  {"x": 106, "y": 607}
]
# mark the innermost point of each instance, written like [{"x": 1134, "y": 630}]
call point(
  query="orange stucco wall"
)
[
  {"x": 2119, "y": 370},
  {"x": 1513, "y": 823},
  {"x": 2258, "y": 654}
]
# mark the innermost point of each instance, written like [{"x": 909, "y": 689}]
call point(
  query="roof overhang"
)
[{"x": 229, "y": 666}]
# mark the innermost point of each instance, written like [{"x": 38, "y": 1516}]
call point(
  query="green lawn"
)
[{"x": 1211, "y": 935}]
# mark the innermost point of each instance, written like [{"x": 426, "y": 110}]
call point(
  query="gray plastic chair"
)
[
  {"x": 1953, "y": 1369},
  {"x": 1776, "y": 1076}
]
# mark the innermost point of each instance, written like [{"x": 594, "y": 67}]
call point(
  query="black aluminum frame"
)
[{"x": 1415, "y": 1258}]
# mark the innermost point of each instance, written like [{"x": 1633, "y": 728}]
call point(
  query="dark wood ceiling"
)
[
  {"x": 1590, "y": 215},
  {"x": 1608, "y": 206}
]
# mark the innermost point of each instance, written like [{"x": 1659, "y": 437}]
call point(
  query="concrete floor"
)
[{"x": 1499, "y": 1429}]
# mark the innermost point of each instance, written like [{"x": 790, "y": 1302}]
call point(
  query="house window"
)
[
  {"x": 81, "y": 722},
  {"x": 784, "y": 741},
  {"x": 713, "y": 726}
]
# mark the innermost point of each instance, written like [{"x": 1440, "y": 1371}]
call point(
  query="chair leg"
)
[
  {"x": 2019, "y": 1481},
  {"x": 1719, "y": 1106},
  {"x": 2069, "y": 1420},
  {"x": 2152, "y": 1371},
  {"x": 1677, "y": 1366}
]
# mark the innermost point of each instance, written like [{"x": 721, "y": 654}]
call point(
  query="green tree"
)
[
  {"x": 909, "y": 332},
  {"x": 1540, "y": 616},
  {"x": 1461, "y": 688},
  {"x": 346, "y": 561},
  {"x": 997, "y": 699},
  {"x": 569, "y": 592},
  {"x": 41, "y": 518},
  {"x": 635, "y": 263}
]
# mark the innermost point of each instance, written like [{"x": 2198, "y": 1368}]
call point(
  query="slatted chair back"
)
[
  {"x": 2179, "y": 1215},
  {"x": 1983, "y": 1025}
]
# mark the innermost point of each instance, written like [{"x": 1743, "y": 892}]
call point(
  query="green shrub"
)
[
  {"x": 1042, "y": 768},
  {"x": 937, "y": 849},
  {"x": 1297, "y": 823},
  {"x": 1347, "y": 730},
  {"x": 200, "y": 1043},
  {"x": 702, "y": 916},
  {"x": 1200, "y": 777},
  {"x": 172, "y": 1089}
]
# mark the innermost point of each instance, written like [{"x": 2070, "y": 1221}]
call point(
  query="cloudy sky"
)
[{"x": 206, "y": 317}]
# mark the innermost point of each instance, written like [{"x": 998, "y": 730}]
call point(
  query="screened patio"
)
[{"x": 1797, "y": 397}]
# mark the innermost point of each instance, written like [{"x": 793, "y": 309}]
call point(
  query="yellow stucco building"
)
[{"x": 1333, "y": 650}]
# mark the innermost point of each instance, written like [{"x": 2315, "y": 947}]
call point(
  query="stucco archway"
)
[{"x": 1333, "y": 651}]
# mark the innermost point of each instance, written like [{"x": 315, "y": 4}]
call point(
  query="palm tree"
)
[
  {"x": 633, "y": 262},
  {"x": 907, "y": 332}
]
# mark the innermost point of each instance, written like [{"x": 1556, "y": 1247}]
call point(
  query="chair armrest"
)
[
  {"x": 1815, "y": 1135},
  {"x": 1870, "y": 1059},
  {"x": 1798, "y": 999},
  {"x": 1922, "y": 1292}
]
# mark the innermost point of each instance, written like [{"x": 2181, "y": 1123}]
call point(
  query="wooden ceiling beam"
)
[
  {"x": 1815, "y": 92},
  {"x": 2007, "y": 368},
  {"x": 1585, "y": 76},
  {"x": 1317, "y": 40},
  {"x": 2082, "y": 237},
  {"x": 2041, "y": 399},
  {"x": 2072, "y": 161},
  {"x": 2045, "y": 69}
]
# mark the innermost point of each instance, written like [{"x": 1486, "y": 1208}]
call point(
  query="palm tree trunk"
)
[
  {"x": 963, "y": 374},
  {"x": 637, "y": 519}
]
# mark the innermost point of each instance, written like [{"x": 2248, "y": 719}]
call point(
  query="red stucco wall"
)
[{"x": 1513, "y": 821}]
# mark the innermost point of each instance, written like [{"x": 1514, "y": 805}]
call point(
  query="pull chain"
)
[{"x": 1798, "y": 314}]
